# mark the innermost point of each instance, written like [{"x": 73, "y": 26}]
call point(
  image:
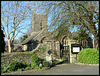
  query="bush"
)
[
  {"x": 37, "y": 67},
  {"x": 34, "y": 59},
  {"x": 27, "y": 68},
  {"x": 15, "y": 65},
  {"x": 46, "y": 64},
  {"x": 44, "y": 67},
  {"x": 3, "y": 71},
  {"x": 20, "y": 70},
  {"x": 88, "y": 56},
  {"x": 33, "y": 66}
]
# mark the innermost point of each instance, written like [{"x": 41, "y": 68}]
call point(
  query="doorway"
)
[{"x": 65, "y": 52}]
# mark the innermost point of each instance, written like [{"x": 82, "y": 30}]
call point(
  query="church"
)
[{"x": 41, "y": 37}]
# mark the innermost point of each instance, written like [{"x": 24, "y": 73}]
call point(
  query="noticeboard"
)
[{"x": 75, "y": 48}]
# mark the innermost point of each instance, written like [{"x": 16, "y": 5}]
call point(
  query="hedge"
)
[{"x": 88, "y": 56}]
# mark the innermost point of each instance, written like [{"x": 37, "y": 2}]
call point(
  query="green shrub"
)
[
  {"x": 3, "y": 71},
  {"x": 27, "y": 68},
  {"x": 33, "y": 66},
  {"x": 15, "y": 65},
  {"x": 46, "y": 64},
  {"x": 20, "y": 70},
  {"x": 37, "y": 67},
  {"x": 88, "y": 56},
  {"x": 28, "y": 65},
  {"x": 34, "y": 59},
  {"x": 44, "y": 67}
]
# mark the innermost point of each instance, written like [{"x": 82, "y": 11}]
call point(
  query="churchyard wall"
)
[{"x": 7, "y": 58}]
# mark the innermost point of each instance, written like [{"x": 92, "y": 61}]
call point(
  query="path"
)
[{"x": 66, "y": 69}]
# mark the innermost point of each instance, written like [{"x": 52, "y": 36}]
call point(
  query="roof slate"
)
[{"x": 32, "y": 37}]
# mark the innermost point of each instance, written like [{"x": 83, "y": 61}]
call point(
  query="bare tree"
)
[{"x": 14, "y": 16}]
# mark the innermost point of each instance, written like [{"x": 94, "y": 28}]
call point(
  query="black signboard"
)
[{"x": 75, "y": 48}]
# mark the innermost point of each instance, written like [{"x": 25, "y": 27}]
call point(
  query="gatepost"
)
[
  {"x": 70, "y": 57},
  {"x": 49, "y": 52},
  {"x": 58, "y": 48},
  {"x": 74, "y": 50}
]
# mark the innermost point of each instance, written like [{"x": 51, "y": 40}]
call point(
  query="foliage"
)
[
  {"x": 33, "y": 66},
  {"x": 20, "y": 70},
  {"x": 81, "y": 35},
  {"x": 37, "y": 67},
  {"x": 61, "y": 31},
  {"x": 4, "y": 70},
  {"x": 46, "y": 63},
  {"x": 23, "y": 66},
  {"x": 15, "y": 65},
  {"x": 34, "y": 59},
  {"x": 88, "y": 56},
  {"x": 27, "y": 68},
  {"x": 44, "y": 67}
]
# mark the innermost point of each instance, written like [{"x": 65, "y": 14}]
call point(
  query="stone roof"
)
[{"x": 32, "y": 37}]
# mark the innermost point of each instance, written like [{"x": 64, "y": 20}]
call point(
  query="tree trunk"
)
[
  {"x": 96, "y": 44},
  {"x": 9, "y": 46}
]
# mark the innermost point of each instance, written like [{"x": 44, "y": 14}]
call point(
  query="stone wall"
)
[
  {"x": 38, "y": 22},
  {"x": 8, "y": 58}
]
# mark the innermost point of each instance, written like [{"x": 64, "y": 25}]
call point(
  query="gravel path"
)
[{"x": 64, "y": 69}]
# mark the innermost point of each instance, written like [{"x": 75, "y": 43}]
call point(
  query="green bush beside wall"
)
[{"x": 88, "y": 56}]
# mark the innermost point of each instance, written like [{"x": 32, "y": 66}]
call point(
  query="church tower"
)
[{"x": 38, "y": 22}]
